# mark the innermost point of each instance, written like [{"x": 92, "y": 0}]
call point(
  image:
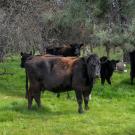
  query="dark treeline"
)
[{"x": 35, "y": 24}]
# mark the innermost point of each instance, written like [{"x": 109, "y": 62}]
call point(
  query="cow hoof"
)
[
  {"x": 80, "y": 111},
  {"x": 86, "y": 108}
]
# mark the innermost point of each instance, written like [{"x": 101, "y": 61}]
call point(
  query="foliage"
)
[
  {"x": 20, "y": 28},
  {"x": 36, "y": 24},
  {"x": 67, "y": 22}
]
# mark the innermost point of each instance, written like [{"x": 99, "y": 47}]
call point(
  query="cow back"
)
[{"x": 51, "y": 72}]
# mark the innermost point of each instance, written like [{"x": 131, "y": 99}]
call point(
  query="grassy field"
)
[{"x": 112, "y": 108}]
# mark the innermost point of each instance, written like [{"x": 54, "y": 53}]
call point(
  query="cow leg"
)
[
  {"x": 108, "y": 80},
  {"x": 86, "y": 99},
  {"x": 26, "y": 95},
  {"x": 79, "y": 100},
  {"x": 37, "y": 98},
  {"x": 102, "y": 80},
  {"x": 30, "y": 98},
  {"x": 132, "y": 78},
  {"x": 37, "y": 93},
  {"x": 34, "y": 92}
]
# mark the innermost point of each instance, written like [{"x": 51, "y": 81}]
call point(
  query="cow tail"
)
[{"x": 26, "y": 85}]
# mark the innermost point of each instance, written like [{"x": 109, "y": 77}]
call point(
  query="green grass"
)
[
  {"x": 100, "y": 50},
  {"x": 112, "y": 108}
]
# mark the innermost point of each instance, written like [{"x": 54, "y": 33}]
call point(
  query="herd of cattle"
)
[{"x": 61, "y": 70}]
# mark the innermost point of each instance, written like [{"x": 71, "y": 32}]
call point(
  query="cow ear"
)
[
  {"x": 81, "y": 45},
  {"x": 117, "y": 61},
  {"x": 72, "y": 45},
  {"x": 21, "y": 53}
]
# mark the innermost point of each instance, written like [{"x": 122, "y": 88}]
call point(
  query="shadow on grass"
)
[
  {"x": 118, "y": 90},
  {"x": 125, "y": 82},
  {"x": 35, "y": 112}
]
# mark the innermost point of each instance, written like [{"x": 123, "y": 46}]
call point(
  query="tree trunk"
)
[
  {"x": 126, "y": 57},
  {"x": 91, "y": 48},
  {"x": 107, "y": 51},
  {"x": 2, "y": 54},
  {"x": 114, "y": 50}
]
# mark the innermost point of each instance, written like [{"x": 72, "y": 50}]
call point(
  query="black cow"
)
[
  {"x": 132, "y": 65},
  {"x": 60, "y": 74},
  {"x": 68, "y": 50},
  {"x": 107, "y": 69}
]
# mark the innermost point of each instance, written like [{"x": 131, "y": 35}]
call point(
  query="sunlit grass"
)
[{"x": 112, "y": 108}]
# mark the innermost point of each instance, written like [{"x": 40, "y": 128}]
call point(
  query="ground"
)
[{"x": 112, "y": 108}]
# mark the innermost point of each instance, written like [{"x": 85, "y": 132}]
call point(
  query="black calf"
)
[{"x": 107, "y": 69}]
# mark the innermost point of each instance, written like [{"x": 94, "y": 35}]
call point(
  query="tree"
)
[{"x": 20, "y": 28}]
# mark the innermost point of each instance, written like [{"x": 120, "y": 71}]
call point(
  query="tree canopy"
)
[{"x": 36, "y": 24}]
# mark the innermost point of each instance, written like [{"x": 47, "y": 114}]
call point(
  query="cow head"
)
[
  {"x": 93, "y": 65},
  {"x": 77, "y": 48},
  {"x": 24, "y": 57},
  {"x": 103, "y": 59}
]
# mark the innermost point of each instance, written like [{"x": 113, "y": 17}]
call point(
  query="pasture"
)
[{"x": 112, "y": 108}]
